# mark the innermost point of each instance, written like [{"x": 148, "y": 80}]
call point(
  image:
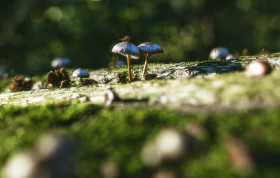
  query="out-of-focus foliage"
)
[
  {"x": 118, "y": 135},
  {"x": 32, "y": 32}
]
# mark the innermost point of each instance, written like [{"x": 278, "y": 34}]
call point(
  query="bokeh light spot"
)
[
  {"x": 54, "y": 14},
  {"x": 244, "y": 5}
]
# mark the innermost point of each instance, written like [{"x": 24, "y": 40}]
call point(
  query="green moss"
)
[
  {"x": 4, "y": 84},
  {"x": 119, "y": 135}
]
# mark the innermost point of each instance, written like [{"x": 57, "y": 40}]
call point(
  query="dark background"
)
[{"x": 33, "y": 32}]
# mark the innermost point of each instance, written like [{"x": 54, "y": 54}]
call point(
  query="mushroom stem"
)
[
  {"x": 129, "y": 69},
  {"x": 145, "y": 66}
]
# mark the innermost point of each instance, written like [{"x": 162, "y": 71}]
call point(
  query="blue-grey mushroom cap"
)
[
  {"x": 219, "y": 53},
  {"x": 150, "y": 48},
  {"x": 230, "y": 56},
  {"x": 82, "y": 73},
  {"x": 126, "y": 48},
  {"x": 2, "y": 74},
  {"x": 60, "y": 62}
]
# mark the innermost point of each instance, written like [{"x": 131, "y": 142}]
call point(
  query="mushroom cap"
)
[
  {"x": 219, "y": 53},
  {"x": 126, "y": 48},
  {"x": 60, "y": 62},
  {"x": 82, "y": 73},
  {"x": 150, "y": 48},
  {"x": 230, "y": 56}
]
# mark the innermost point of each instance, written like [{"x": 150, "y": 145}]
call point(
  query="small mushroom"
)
[
  {"x": 129, "y": 50},
  {"x": 257, "y": 69},
  {"x": 230, "y": 56},
  {"x": 60, "y": 62},
  {"x": 81, "y": 73},
  {"x": 219, "y": 53},
  {"x": 149, "y": 48}
]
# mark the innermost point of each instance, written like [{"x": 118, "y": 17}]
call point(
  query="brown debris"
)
[
  {"x": 196, "y": 130},
  {"x": 134, "y": 80},
  {"x": 58, "y": 78},
  {"x": 105, "y": 80},
  {"x": 89, "y": 82},
  {"x": 126, "y": 38},
  {"x": 240, "y": 156},
  {"x": 245, "y": 52},
  {"x": 150, "y": 76},
  {"x": 21, "y": 83}
]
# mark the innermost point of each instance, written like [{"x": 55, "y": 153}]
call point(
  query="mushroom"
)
[
  {"x": 219, "y": 53},
  {"x": 230, "y": 56},
  {"x": 60, "y": 62},
  {"x": 81, "y": 73},
  {"x": 149, "y": 48},
  {"x": 129, "y": 50}
]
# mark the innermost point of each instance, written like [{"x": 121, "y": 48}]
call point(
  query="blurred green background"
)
[{"x": 32, "y": 33}]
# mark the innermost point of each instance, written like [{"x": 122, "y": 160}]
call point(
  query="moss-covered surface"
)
[
  {"x": 118, "y": 135},
  {"x": 228, "y": 108},
  {"x": 229, "y": 90}
]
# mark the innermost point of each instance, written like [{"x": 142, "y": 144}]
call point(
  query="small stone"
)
[
  {"x": 109, "y": 169},
  {"x": 51, "y": 157},
  {"x": 170, "y": 144},
  {"x": 257, "y": 69},
  {"x": 38, "y": 85},
  {"x": 110, "y": 96},
  {"x": 105, "y": 80},
  {"x": 116, "y": 80},
  {"x": 50, "y": 86}
]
